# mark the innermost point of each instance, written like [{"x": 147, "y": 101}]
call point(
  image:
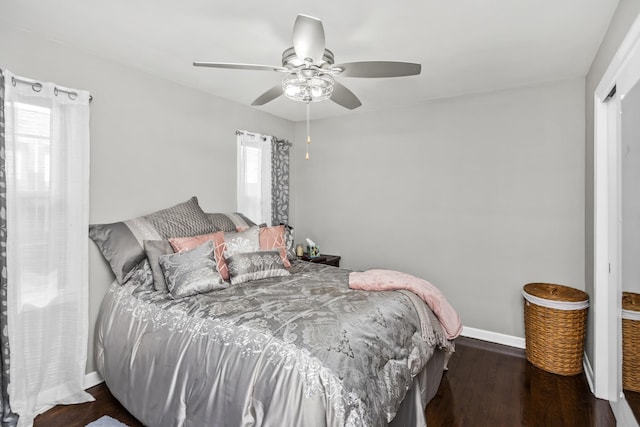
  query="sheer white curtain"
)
[
  {"x": 47, "y": 165},
  {"x": 254, "y": 176}
]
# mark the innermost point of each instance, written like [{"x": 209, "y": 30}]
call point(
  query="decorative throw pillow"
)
[
  {"x": 230, "y": 221},
  {"x": 289, "y": 241},
  {"x": 273, "y": 238},
  {"x": 243, "y": 241},
  {"x": 247, "y": 266},
  {"x": 121, "y": 243},
  {"x": 154, "y": 249},
  {"x": 191, "y": 272},
  {"x": 181, "y": 244},
  {"x": 183, "y": 219}
]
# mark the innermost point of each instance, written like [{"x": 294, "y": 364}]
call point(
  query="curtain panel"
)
[
  {"x": 47, "y": 220},
  {"x": 9, "y": 418},
  {"x": 279, "y": 181}
]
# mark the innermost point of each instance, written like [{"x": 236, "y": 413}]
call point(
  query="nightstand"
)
[{"x": 333, "y": 260}]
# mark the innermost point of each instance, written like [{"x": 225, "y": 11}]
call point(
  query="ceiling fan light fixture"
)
[{"x": 308, "y": 85}]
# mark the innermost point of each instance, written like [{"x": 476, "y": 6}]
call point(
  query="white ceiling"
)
[{"x": 464, "y": 46}]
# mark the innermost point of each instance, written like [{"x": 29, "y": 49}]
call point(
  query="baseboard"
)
[
  {"x": 92, "y": 379},
  {"x": 588, "y": 372},
  {"x": 493, "y": 337},
  {"x": 622, "y": 412}
]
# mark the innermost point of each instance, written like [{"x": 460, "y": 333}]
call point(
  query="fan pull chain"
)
[{"x": 308, "y": 132}]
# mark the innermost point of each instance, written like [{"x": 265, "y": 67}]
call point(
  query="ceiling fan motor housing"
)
[{"x": 291, "y": 60}]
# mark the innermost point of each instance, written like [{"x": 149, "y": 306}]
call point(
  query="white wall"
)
[
  {"x": 479, "y": 195},
  {"x": 153, "y": 143},
  {"x": 624, "y": 16}
]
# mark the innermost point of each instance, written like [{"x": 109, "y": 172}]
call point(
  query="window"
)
[
  {"x": 254, "y": 177},
  {"x": 29, "y": 161},
  {"x": 263, "y": 178}
]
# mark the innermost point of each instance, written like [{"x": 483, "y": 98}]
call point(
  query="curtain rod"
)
[
  {"x": 240, "y": 132},
  {"x": 264, "y": 138},
  {"x": 37, "y": 87}
]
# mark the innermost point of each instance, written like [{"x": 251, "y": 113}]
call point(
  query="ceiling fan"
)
[{"x": 310, "y": 70}]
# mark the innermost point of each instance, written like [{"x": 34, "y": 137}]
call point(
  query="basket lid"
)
[
  {"x": 556, "y": 292},
  {"x": 630, "y": 301}
]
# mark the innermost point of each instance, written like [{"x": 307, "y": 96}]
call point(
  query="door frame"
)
[{"x": 623, "y": 72}]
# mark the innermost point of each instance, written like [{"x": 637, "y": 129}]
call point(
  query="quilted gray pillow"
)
[
  {"x": 247, "y": 266},
  {"x": 230, "y": 221},
  {"x": 191, "y": 272},
  {"x": 121, "y": 243}
]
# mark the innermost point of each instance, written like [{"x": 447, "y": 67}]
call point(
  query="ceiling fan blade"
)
[
  {"x": 372, "y": 69},
  {"x": 343, "y": 96},
  {"x": 308, "y": 38},
  {"x": 234, "y": 66},
  {"x": 269, "y": 95}
]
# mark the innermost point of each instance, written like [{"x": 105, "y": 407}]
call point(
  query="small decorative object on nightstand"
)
[
  {"x": 313, "y": 251},
  {"x": 333, "y": 260}
]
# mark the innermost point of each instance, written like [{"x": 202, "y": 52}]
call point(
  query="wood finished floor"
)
[
  {"x": 486, "y": 385},
  {"x": 493, "y": 385},
  {"x": 633, "y": 399}
]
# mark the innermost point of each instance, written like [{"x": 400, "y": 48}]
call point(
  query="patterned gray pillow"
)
[
  {"x": 121, "y": 243},
  {"x": 243, "y": 241},
  {"x": 230, "y": 221},
  {"x": 154, "y": 249},
  {"x": 289, "y": 240},
  {"x": 191, "y": 272},
  {"x": 247, "y": 266}
]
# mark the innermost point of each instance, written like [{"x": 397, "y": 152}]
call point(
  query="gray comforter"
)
[{"x": 300, "y": 350}]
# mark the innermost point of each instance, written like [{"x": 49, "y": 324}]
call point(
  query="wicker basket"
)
[
  {"x": 555, "y": 321},
  {"x": 631, "y": 341}
]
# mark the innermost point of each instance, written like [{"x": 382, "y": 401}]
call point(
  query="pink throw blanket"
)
[{"x": 389, "y": 280}]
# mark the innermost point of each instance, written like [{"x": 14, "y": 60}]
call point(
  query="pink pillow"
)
[
  {"x": 273, "y": 238},
  {"x": 181, "y": 244}
]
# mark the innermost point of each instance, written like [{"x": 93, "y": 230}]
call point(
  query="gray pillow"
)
[
  {"x": 247, "y": 266},
  {"x": 120, "y": 247},
  {"x": 121, "y": 243},
  {"x": 230, "y": 221},
  {"x": 289, "y": 242},
  {"x": 191, "y": 272},
  {"x": 154, "y": 249}
]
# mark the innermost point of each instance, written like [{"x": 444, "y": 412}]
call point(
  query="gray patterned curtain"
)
[
  {"x": 279, "y": 181},
  {"x": 9, "y": 419}
]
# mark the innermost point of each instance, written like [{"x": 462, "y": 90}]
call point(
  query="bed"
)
[{"x": 298, "y": 349}]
